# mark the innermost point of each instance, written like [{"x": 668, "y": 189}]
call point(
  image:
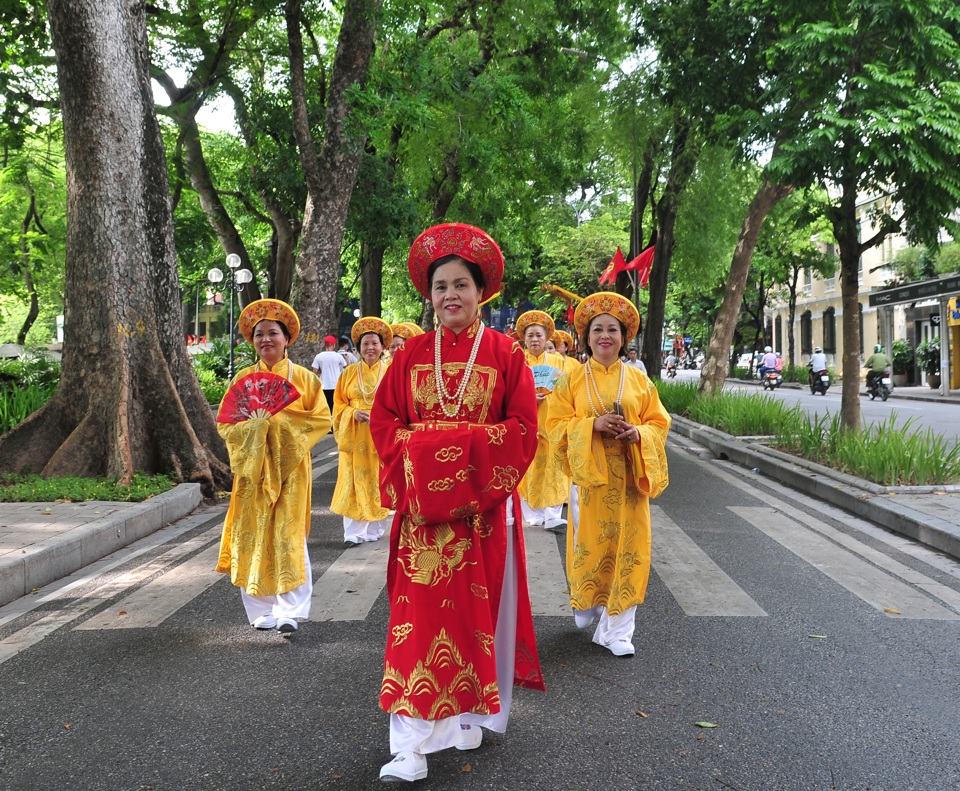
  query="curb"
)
[
  {"x": 854, "y": 495},
  {"x": 56, "y": 557}
]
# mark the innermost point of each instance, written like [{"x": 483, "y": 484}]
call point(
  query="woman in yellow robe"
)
[
  {"x": 264, "y": 543},
  {"x": 545, "y": 487},
  {"x": 562, "y": 341},
  {"x": 607, "y": 423},
  {"x": 357, "y": 494}
]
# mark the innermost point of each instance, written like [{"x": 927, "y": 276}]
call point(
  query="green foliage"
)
[
  {"x": 883, "y": 453},
  {"x": 928, "y": 356},
  {"x": 26, "y": 384},
  {"x": 217, "y": 358},
  {"x": 743, "y": 415},
  {"x": 902, "y": 356},
  {"x": 213, "y": 388},
  {"x": 34, "y": 489},
  {"x": 676, "y": 397}
]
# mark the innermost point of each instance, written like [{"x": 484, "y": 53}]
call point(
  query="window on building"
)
[
  {"x": 807, "y": 280},
  {"x": 806, "y": 332},
  {"x": 830, "y": 331}
]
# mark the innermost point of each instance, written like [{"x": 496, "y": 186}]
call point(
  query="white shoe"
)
[
  {"x": 555, "y": 524},
  {"x": 471, "y": 737},
  {"x": 287, "y": 626},
  {"x": 265, "y": 622},
  {"x": 352, "y": 542},
  {"x": 621, "y": 648},
  {"x": 407, "y": 766}
]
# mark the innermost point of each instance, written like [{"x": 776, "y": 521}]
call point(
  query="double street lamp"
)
[{"x": 237, "y": 280}]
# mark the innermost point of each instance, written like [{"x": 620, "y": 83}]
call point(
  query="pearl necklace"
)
[
  {"x": 450, "y": 404},
  {"x": 363, "y": 391},
  {"x": 593, "y": 382}
]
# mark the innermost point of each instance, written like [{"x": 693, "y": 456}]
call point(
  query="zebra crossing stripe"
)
[
  {"x": 349, "y": 588},
  {"x": 699, "y": 585},
  {"x": 873, "y": 585}
]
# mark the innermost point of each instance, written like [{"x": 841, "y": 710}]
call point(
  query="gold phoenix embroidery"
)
[{"x": 426, "y": 562}]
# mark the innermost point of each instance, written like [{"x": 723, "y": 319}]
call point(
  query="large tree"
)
[{"x": 128, "y": 399}]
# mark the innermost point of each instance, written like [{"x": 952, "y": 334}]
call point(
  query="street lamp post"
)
[{"x": 238, "y": 279}]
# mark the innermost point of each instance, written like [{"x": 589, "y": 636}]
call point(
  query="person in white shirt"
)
[
  {"x": 328, "y": 365},
  {"x": 818, "y": 362},
  {"x": 768, "y": 362},
  {"x": 634, "y": 359},
  {"x": 346, "y": 353}
]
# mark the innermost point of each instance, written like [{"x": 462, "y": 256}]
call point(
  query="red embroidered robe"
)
[{"x": 448, "y": 479}]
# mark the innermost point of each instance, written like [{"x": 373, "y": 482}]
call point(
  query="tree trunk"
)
[
  {"x": 845, "y": 232},
  {"x": 330, "y": 174},
  {"x": 217, "y": 215},
  {"x": 683, "y": 158},
  {"x": 128, "y": 399},
  {"x": 371, "y": 280},
  {"x": 717, "y": 363},
  {"x": 34, "y": 310}
]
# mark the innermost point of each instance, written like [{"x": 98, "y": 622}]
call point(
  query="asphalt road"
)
[{"x": 823, "y": 650}]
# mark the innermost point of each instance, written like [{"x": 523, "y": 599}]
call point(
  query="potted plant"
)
[
  {"x": 902, "y": 361},
  {"x": 928, "y": 360}
]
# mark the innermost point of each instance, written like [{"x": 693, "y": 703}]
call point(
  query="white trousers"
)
[
  {"x": 358, "y": 530},
  {"x": 292, "y": 604},
  {"x": 541, "y": 516},
  {"x": 610, "y": 627},
  {"x": 430, "y": 736}
]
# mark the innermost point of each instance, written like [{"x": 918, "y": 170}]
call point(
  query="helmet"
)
[
  {"x": 767, "y": 349},
  {"x": 817, "y": 350},
  {"x": 778, "y": 354},
  {"x": 878, "y": 348}
]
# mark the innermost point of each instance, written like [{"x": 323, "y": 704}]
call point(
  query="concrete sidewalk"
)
[{"x": 44, "y": 542}]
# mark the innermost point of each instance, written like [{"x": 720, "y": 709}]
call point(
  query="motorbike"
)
[
  {"x": 671, "y": 372},
  {"x": 772, "y": 379},
  {"x": 882, "y": 385},
  {"x": 819, "y": 382}
]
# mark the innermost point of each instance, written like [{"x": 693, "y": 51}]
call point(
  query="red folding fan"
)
[{"x": 256, "y": 395}]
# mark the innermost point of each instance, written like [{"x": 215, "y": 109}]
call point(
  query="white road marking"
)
[
  {"x": 546, "y": 576},
  {"x": 156, "y": 601},
  {"x": 349, "y": 588},
  {"x": 868, "y": 582},
  {"x": 36, "y": 631},
  {"x": 699, "y": 585}
]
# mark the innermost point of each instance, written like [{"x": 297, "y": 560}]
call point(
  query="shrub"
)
[
  {"x": 902, "y": 356},
  {"x": 928, "y": 356}
]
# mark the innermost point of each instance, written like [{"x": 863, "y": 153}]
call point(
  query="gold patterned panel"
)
[
  {"x": 496, "y": 433},
  {"x": 476, "y": 398},
  {"x": 463, "y": 511},
  {"x": 441, "y": 485}
]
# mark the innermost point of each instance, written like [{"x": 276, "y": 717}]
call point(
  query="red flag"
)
[
  {"x": 642, "y": 264},
  {"x": 615, "y": 267},
  {"x": 570, "y": 314}
]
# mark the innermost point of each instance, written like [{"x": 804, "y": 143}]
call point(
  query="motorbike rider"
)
[
  {"x": 818, "y": 363},
  {"x": 768, "y": 362},
  {"x": 670, "y": 362},
  {"x": 878, "y": 362}
]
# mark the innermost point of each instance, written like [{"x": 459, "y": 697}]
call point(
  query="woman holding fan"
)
[
  {"x": 357, "y": 495},
  {"x": 608, "y": 425},
  {"x": 264, "y": 543}
]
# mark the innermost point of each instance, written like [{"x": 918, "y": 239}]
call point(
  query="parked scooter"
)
[
  {"x": 881, "y": 385},
  {"x": 819, "y": 381},
  {"x": 772, "y": 379}
]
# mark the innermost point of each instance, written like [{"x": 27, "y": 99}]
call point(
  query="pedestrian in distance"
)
[
  {"x": 608, "y": 425},
  {"x": 357, "y": 494},
  {"x": 264, "y": 542},
  {"x": 328, "y": 365},
  {"x": 455, "y": 424}
]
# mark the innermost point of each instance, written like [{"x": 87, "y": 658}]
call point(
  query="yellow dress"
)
[
  {"x": 357, "y": 495},
  {"x": 570, "y": 364},
  {"x": 545, "y": 483},
  {"x": 262, "y": 548},
  {"x": 608, "y": 552}
]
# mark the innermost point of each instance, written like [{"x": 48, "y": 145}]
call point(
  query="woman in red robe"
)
[{"x": 455, "y": 425}]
